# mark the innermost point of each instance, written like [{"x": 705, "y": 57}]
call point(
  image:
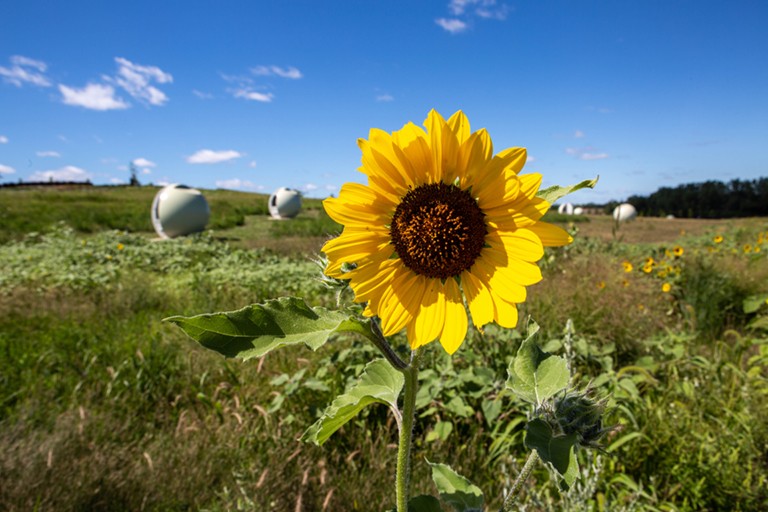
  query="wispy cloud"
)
[
  {"x": 251, "y": 95},
  {"x": 452, "y": 25},
  {"x": 137, "y": 81},
  {"x": 93, "y": 97},
  {"x": 238, "y": 184},
  {"x": 202, "y": 95},
  {"x": 6, "y": 169},
  {"x": 464, "y": 11},
  {"x": 385, "y": 98},
  {"x": 208, "y": 156},
  {"x": 587, "y": 153},
  {"x": 24, "y": 70},
  {"x": 134, "y": 79},
  {"x": 48, "y": 154},
  {"x": 67, "y": 173},
  {"x": 290, "y": 72},
  {"x": 578, "y": 134},
  {"x": 143, "y": 162},
  {"x": 3, "y": 139}
]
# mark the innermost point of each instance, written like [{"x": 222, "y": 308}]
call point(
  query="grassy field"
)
[{"x": 104, "y": 407}]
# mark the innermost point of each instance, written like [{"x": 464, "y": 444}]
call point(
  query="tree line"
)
[{"x": 707, "y": 200}]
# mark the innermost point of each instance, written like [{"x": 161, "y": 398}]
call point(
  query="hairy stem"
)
[
  {"x": 403, "y": 477},
  {"x": 382, "y": 344},
  {"x": 511, "y": 499}
]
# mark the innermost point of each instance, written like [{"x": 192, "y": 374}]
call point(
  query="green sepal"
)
[
  {"x": 535, "y": 375},
  {"x": 455, "y": 490},
  {"x": 379, "y": 383},
  {"x": 553, "y": 193},
  {"x": 557, "y": 450},
  {"x": 260, "y": 328}
]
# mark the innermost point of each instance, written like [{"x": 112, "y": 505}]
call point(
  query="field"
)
[{"x": 105, "y": 407}]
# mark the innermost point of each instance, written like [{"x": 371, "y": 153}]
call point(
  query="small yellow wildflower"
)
[
  {"x": 650, "y": 261},
  {"x": 641, "y": 307},
  {"x": 747, "y": 248},
  {"x": 627, "y": 266},
  {"x": 601, "y": 285},
  {"x": 756, "y": 249},
  {"x": 648, "y": 268},
  {"x": 120, "y": 247},
  {"x": 718, "y": 239},
  {"x": 666, "y": 287},
  {"x": 678, "y": 251},
  {"x": 625, "y": 283}
]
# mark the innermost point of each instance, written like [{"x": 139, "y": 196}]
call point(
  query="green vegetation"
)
[
  {"x": 92, "y": 209},
  {"x": 104, "y": 407}
]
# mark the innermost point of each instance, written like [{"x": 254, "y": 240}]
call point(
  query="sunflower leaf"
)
[
  {"x": 260, "y": 328},
  {"x": 557, "y": 450},
  {"x": 456, "y": 490},
  {"x": 553, "y": 193},
  {"x": 379, "y": 383},
  {"x": 535, "y": 375}
]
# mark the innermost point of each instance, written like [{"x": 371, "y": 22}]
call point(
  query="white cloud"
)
[
  {"x": 116, "y": 181},
  {"x": 146, "y": 171},
  {"x": 25, "y": 70},
  {"x": 93, "y": 97},
  {"x": 252, "y": 164},
  {"x": 249, "y": 94},
  {"x": 136, "y": 80},
  {"x": 143, "y": 162},
  {"x": 454, "y": 26},
  {"x": 48, "y": 154},
  {"x": 593, "y": 156},
  {"x": 586, "y": 153},
  {"x": 385, "y": 97},
  {"x": 6, "y": 169},
  {"x": 530, "y": 158},
  {"x": 309, "y": 187},
  {"x": 238, "y": 184},
  {"x": 3, "y": 139},
  {"x": 289, "y": 72},
  {"x": 578, "y": 134},
  {"x": 208, "y": 156},
  {"x": 67, "y": 173}
]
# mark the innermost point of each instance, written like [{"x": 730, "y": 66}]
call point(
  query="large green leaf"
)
[
  {"x": 379, "y": 383},
  {"x": 259, "y": 328},
  {"x": 424, "y": 503},
  {"x": 552, "y": 194},
  {"x": 555, "y": 450},
  {"x": 456, "y": 490},
  {"x": 535, "y": 375}
]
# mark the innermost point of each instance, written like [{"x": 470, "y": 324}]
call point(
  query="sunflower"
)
[{"x": 440, "y": 221}]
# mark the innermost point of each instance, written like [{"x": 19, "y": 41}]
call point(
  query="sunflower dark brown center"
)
[{"x": 438, "y": 230}]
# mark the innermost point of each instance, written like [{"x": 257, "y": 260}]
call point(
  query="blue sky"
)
[{"x": 257, "y": 95}]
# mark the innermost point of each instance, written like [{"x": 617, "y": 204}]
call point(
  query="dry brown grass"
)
[{"x": 658, "y": 230}]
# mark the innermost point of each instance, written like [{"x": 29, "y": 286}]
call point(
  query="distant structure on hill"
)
[
  {"x": 285, "y": 203},
  {"x": 134, "y": 180}
]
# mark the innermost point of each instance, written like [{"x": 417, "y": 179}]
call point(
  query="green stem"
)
[
  {"x": 533, "y": 457},
  {"x": 382, "y": 344},
  {"x": 403, "y": 477}
]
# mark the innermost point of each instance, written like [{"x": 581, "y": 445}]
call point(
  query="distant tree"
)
[{"x": 711, "y": 200}]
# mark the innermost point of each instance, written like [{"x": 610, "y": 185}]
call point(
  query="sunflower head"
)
[{"x": 443, "y": 225}]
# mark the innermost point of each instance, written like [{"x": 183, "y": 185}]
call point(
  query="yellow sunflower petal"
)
[
  {"x": 506, "y": 313},
  {"x": 431, "y": 317},
  {"x": 551, "y": 235},
  {"x": 455, "y": 326},
  {"x": 402, "y": 304},
  {"x": 523, "y": 244},
  {"x": 459, "y": 124},
  {"x": 354, "y": 248},
  {"x": 478, "y": 298}
]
